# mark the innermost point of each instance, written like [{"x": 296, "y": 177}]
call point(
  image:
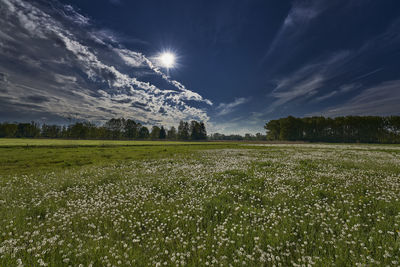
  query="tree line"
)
[
  {"x": 114, "y": 129},
  {"x": 348, "y": 129}
]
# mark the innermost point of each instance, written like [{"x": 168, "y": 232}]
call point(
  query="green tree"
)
[
  {"x": 273, "y": 130},
  {"x": 183, "y": 130},
  {"x": 28, "y": 130},
  {"x": 51, "y": 131},
  {"x": 172, "y": 135},
  {"x": 116, "y": 127},
  {"x": 8, "y": 130},
  {"x": 194, "y": 130},
  {"x": 155, "y": 133},
  {"x": 203, "y": 131},
  {"x": 131, "y": 129},
  {"x": 143, "y": 133},
  {"x": 163, "y": 133},
  {"x": 366, "y": 129}
]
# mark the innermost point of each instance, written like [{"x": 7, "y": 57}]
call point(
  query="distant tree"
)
[
  {"x": 64, "y": 132},
  {"x": 78, "y": 131},
  {"x": 51, "y": 131},
  {"x": 249, "y": 136},
  {"x": 144, "y": 133},
  {"x": 366, "y": 129},
  {"x": 28, "y": 130},
  {"x": 273, "y": 128},
  {"x": 194, "y": 130},
  {"x": 172, "y": 135},
  {"x": 163, "y": 133},
  {"x": 183, "y": 131},
  {"x": 116, "y": 127},
  {"x": 371, "y": 129},
  {"x": 92, "y": 130},
  {"x": 232, "y": 137},
  {"x": 155, "y": 133},
  {"x": 260, "y": 137},
  {"x": 203, "y": 131},
  {"x": 131, "y": 129},
  {"x": 290, "y": 129},
  {"x": 197, "y": 131},
  {"x": 216, "y": 136},
  {"x": 8, "y": 130}
]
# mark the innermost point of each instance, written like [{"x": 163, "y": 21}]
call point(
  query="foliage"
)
[
  {"x": 183, "y": 130},
  {"x": 172, "y": 134},
  {"x": 350, "y": 129},
  {"x": 114, "y": 129},
  {"x": 197, "y": 131},
  {"x": 144, "y": 133},
  {"x": 155, "y": 133},
  {"x": 163, "y": 133}
]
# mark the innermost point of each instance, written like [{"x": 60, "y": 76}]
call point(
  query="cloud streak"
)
[
  {"x": 297, "y": 21},
  {"x": 227, "y": 108},
  {"x": 335, "y": 74},
  {"x": 381, "y": 99},
  {"x": 308, "y": 80}
]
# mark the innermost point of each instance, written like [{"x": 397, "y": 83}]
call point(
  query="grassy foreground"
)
[{"x": 200, "y": 205}]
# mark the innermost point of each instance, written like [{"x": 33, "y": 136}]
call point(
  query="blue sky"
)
[{"x": 239, "y": 63}]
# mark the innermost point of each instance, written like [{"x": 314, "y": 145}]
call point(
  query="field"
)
[{"x": 96, "y": 203}]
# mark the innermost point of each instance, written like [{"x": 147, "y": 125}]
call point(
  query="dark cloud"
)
[
  {"x": 106, "y": 110},
  {"x": 141, "y": 106},
  {"x": 162, "y": 111},
  {"x": 36, "y": 99},
  {"x": 123, "y": 101},
  {"x": 3, "y": 83},
  {"x": 3, "y": 77}
]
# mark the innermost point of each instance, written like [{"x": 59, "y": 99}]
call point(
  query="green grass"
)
[
  {"x": 199, "y": 204},
  {"x": 13, "y": 142},
  {"x": 25, "y": 156}
]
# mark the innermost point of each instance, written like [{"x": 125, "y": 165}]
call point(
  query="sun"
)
[{"x": 167, "y": 60}]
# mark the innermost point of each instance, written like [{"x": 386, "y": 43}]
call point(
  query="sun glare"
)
[{"x": 167, "y": 60}]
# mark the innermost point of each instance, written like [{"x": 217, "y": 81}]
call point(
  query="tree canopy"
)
[
  {"x": 115, "y": 129},
  {"x": 349, "y": 129}
]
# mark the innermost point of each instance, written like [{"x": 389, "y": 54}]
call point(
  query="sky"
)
[{"x": 238, "y": 64}]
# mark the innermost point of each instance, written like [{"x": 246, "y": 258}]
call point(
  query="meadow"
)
[{"x": 107, "y": 203}]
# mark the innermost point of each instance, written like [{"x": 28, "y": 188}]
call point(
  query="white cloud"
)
[
  {"x": 226, "y": 108},
  {"x": 324, "y": 97},
  {"x": 342, "y": 89},
  {"x": 63, "y": 79},
  {"x": 71, "y": 14},
  {"x": 136, "y": 59},
  {"x": 131, "y": 58},
  {"x": 349, "y": 87},
  {"x": 106, "y": 91},
  {"x": 310, "y": 81},
  {"x": 295, "y": 24},
  {"x": 382, "y": 99}
]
